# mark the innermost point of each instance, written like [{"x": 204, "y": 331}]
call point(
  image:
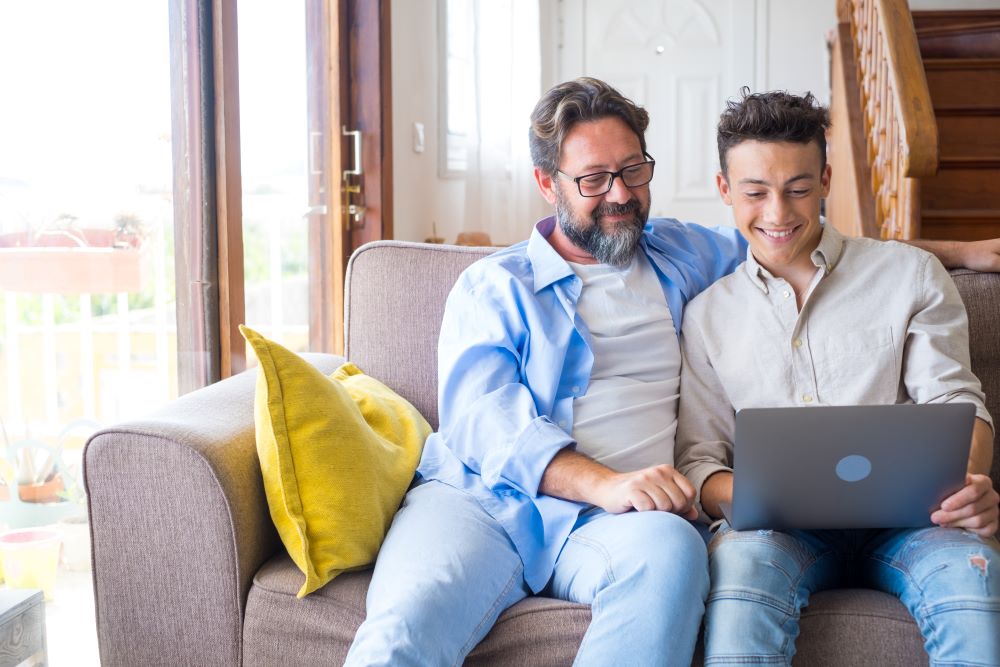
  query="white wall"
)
[
  {"x": 790, "y": 54},
  {"x": 420, "y": 196},
  {"x": 791, "y": 46}
]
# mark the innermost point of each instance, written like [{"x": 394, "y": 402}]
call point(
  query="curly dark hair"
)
[
  {"x": 572, "y": 102},
  {"x": 772, "y": 116}
]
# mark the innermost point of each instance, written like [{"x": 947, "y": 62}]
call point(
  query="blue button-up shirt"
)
[{"x": 512, "y": 356}]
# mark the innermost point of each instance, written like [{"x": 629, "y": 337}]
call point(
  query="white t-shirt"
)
[{"x": 628, "y": 417}]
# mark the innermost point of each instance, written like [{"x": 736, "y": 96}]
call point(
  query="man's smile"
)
[{"x": 779, "y": 235}]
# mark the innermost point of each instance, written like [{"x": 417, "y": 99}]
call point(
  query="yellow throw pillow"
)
[{"x": 337, "y": 454}]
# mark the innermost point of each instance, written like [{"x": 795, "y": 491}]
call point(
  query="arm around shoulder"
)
[{"x": 975, "y": 255}]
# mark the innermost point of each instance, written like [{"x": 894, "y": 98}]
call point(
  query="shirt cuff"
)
[{"x": 538, "y": 443}]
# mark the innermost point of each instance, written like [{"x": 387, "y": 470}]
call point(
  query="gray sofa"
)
[{"x": 188, "y": 569}]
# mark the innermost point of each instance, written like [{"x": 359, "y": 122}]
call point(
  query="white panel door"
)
[{"x": 681, "y": 60}]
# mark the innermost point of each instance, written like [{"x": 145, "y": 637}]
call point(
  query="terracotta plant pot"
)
[{"x": 45, "y": 492}]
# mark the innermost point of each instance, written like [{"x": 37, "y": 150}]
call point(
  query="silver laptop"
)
[{"x": 872, "y": 466}]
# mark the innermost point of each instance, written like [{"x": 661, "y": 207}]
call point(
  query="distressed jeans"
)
[
  {"x": 447, "y": 570},
  {"x": 947, "y": 578}
]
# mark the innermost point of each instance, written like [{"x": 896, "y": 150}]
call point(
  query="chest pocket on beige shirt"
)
[{"x": 857, "y": 367}]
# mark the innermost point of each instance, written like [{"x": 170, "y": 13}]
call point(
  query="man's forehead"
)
[
  {"x": 601, "y": 143},
  {"x": 765, "y": 179},
  {"x": 774, "y": 162}
]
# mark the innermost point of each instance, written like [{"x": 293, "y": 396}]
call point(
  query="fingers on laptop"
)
[{"x": 974, "y": 507}]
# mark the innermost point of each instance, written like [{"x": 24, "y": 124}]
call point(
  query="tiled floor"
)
[{"x": 69, "y": 622}]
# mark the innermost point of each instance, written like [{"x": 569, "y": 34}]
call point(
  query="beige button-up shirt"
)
[{"x": 882, "y": 323}]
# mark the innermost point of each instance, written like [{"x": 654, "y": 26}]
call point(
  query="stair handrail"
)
[{"x": 900, "y": 127}]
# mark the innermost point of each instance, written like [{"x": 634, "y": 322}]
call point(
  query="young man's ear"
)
[
  {"x": 824, "y": 180},
  {"x": 723, "y": 184},
  {"x": 546, "y": 185}
]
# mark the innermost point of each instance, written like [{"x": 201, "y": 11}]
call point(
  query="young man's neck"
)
[{"x": 798, "y": 274}]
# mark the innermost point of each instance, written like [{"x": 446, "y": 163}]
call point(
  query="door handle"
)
[{"x": 356, "y": 141}]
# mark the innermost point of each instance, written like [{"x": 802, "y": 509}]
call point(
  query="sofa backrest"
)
[
  {"x": 395, "y": 294},
  {"x": 393, "y": 304},
  {"x": 981, "y": 294}
]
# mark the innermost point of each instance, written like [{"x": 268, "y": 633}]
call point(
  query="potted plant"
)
[{"x": 47, "y": 489}]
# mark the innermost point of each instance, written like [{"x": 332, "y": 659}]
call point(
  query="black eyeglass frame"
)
[{"x": 613, "y": 174}]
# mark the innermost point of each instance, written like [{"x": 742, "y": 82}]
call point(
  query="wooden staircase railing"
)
[{"x": 901, "y": 139}]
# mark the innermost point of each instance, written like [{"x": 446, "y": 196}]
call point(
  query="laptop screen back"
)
[{"x": 876, "y": 466}]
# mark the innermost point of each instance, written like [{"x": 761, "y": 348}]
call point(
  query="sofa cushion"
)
[
  {"x": 839, "y": 628},
  {"x": 337, "y": 454},
  {"x": 318, "y": 630}
]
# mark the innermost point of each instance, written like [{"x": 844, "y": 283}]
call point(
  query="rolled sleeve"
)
[
  {"x": 937, "y": 367},
  {"x": 535, "y": 447},
  {"x": 489, "y": 417}
]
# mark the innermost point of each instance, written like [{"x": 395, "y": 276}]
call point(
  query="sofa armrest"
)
[{"x": 179, "y": 525}]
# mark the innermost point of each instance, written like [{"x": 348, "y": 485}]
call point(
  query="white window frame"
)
[{"x": 452, "y": 146}]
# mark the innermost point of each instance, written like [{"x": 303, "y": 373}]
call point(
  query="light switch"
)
[{"x": 418, "y": 137}]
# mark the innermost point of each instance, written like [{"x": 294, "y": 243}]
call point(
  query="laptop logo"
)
[{"x": 854, "y": 468}]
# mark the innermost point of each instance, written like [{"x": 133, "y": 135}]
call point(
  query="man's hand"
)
[
  {"x": 660, "y": 488},
  {"x": 577, "y": 477},
  {"x": 982, "y": 255},
  {"x": 974, "y": 507},
  {"x": 976, "y": 255}
]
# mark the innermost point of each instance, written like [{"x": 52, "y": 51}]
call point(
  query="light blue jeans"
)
[
  {"x": 761, "y": 580},
  {"x": 447, "y": 571}
]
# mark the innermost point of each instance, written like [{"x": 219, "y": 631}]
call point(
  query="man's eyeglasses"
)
[{"x": 600, "y": 182}]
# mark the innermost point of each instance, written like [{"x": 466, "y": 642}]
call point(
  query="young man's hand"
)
[
  {"x": 659, "y": 487},
  {"x": 974, "y": 507}
]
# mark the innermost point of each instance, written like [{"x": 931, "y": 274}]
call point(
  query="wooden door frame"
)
[
  {"x": 326, "y": 238},
  {"x": 208, "y": 238},
  {"x": 351, "y": 73},
  {"x": 366, "y": 94}
]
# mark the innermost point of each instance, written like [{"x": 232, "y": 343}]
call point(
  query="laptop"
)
[{"x": 870, "y": 466}]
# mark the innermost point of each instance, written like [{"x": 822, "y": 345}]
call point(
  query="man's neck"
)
[
  {"x": 566, "y": 249},
  {"x": 798, "y": 274}
]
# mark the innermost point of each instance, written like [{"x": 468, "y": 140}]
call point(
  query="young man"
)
[
  {"x": 815, "y": 318},
  {"x": 558, "y": 371}
]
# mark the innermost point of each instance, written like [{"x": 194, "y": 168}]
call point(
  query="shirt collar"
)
[
  {"x": 547, "y": 265},
  {"x": 825, "y": 256}
]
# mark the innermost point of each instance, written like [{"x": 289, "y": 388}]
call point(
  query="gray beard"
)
[{"x": 617, "y": 247}]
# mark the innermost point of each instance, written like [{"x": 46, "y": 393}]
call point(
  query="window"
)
[{"x": 458, "y": 92}]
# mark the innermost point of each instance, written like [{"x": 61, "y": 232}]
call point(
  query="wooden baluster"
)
[
  {"x": 887, "y": 151},
  {"x": 892, "y": 183}
]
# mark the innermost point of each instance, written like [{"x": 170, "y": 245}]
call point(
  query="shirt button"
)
[
  {"x": 829, "y": 268},
  {"x": 797, "y": 342},
  {"x": 562, "y": 423},
  {"x": 576, "y": 390},
  {"x": 786, "y": 294},
  {"x": 806, "y": 398}
]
